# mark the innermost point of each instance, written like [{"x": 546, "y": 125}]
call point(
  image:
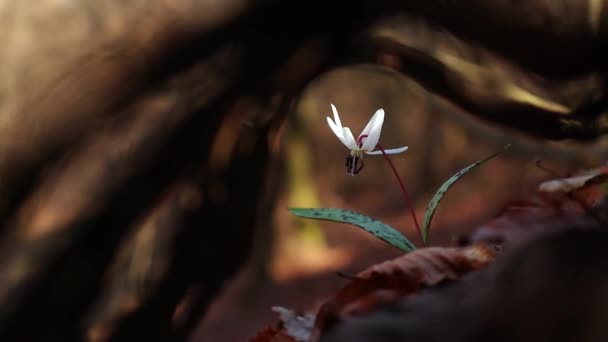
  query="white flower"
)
[{"x": 364, "y": 144}]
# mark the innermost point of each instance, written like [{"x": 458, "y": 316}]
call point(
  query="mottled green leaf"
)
[
  {"x": 380, "y": 230},
  {"x": 430, "y": 210}
]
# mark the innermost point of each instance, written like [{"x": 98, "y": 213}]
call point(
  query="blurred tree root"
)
[
  {"x": 135, "y": 137},
  {"x": 484, "y": 82}
]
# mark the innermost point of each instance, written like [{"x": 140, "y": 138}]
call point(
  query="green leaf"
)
[
  {"x": 430, "y": 211},
  {"x": 380, "y": 230}
]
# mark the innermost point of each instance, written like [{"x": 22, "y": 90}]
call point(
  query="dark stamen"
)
[
  {"x": 360, "y": 140},
  {"x": 354, "y": 164}
]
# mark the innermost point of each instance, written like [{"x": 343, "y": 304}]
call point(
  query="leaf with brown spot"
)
[{"x": 375, "y": 227}]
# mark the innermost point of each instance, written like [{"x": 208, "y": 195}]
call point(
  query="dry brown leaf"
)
[
  {"x": 581, "y": 180},
  {"x": 298, "y": 326},
  {"x": 272, "y": 333},
  {"x": 394, "y": 279},
  {"x": 559, "y": 203},
  {"x": 292, "y": 327},
  {"x": 520, "y": 221},
  {"x": 265, "y": 334}
]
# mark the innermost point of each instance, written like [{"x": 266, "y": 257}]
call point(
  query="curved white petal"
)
[
  {"x": 370, "y": 124},
  {"x": 339, "y": 132},
  {"x": 349, "y": 139},
  {"x": 373, "y": 129},
  {"x": 336, "y": 116},
  {"x": 390, "y": 151}
]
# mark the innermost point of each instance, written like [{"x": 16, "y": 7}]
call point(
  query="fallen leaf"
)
[
  {"x": 570, "y": 184},
  {"x": 521, "y": 221},
  {"x": 394, "y": 279},
  {"x": 559, "y": 204},
  {"x": 296, "y": 325},
  {"x": 272, "y": 333}
]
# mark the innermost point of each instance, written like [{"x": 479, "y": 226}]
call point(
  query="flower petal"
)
[
  {"x": 372, "y": 130},
  {"x": 339, "y": 132},
  {"x": 336, "y": 116},
  {"x": 349, "y": 139},
  {"x": 390, "y": 151},
  {"x": 370, "y": 123}
]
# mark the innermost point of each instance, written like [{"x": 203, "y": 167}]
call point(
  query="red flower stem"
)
[{"x": 406, "y": 195}]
